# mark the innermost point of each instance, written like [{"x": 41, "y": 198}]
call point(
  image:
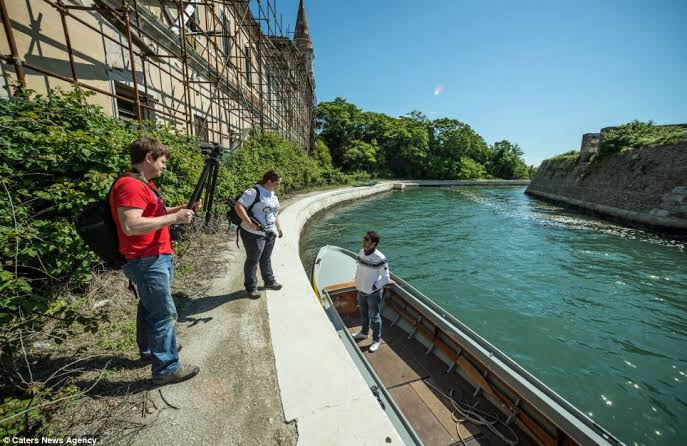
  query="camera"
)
[{"x": 176, "y": 232}]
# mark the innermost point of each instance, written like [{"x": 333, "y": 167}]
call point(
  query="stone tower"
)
[{"x": 302, "y": 39}]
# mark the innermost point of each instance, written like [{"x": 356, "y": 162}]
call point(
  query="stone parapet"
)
[{"x": 644, "y": 186}]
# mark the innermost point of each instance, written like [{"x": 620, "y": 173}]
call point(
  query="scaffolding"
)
[{"x": 215, "y": 68}]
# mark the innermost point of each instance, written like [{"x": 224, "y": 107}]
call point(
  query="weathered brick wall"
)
[{"x": 650, "y": 182}]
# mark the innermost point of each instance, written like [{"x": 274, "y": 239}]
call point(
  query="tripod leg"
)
[
  {"x": 199, "y": 185},
  {"x": 208, "y": 180},
  {"x": 211, "y": 192}
]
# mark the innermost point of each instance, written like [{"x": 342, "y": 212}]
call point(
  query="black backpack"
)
[
  {"x": 96, "y": 226},
  {"x": 233, "y": 216}
]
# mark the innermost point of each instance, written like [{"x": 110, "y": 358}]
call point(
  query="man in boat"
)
[
  {"x": 259, "y": 230},
  {"x": 371, "y": 275},
  {"x": 142, "y": 221}
]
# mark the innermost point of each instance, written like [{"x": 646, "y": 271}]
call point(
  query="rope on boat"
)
[{"x": 477, "y": 416}]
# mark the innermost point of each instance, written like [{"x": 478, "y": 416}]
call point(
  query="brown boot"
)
[
  {"x": 273, "y": 285},
  {"x": 183, "y": 373}
]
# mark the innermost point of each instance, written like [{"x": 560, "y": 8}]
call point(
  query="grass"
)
[{"x": 118, "y": 336}]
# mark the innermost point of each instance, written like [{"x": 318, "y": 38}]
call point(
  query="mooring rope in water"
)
[{"x": 477, "y": 416}]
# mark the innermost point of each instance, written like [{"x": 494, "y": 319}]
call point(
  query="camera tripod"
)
[{"x": 208, "y": 179}]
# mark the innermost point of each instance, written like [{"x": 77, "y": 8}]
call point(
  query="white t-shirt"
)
[{"x": 264, "y": 211}]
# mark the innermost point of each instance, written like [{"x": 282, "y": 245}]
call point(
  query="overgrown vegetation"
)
[
  {"x": 636, "y": 134},
  {"x": 413, "y": 146},
  {"x": 571, "y": 154},
  {"x": 57, "y": 155},
  {"x": 630, "y": 136}
]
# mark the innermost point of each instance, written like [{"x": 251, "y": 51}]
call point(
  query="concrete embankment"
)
[
  {"x": 644, "y": 186},
  {"x": 320, "y": 387}
]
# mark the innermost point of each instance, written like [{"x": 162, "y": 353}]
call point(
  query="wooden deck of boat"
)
[{"x": 405, "y": 369}]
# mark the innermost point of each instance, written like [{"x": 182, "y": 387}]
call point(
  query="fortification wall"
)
[{"x": 646, "y": 186}]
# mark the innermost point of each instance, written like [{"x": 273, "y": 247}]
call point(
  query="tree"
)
[
  {"x": 412, "y": 146},
  {"x": 359, "y": 155},
  {"x": 337, "y": 123},
  {"x": 406, "y": 146},
  {"x": 321, "y": 154},
  {"x": 506, "y": 161},
  {"x": 452, "y": 144}
]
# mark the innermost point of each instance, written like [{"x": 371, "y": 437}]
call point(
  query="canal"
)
[{"x": 596, "y": 311}]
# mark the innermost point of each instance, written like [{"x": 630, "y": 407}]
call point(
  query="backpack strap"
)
[
  {"x": 140, "y": 178},
  {"x": 257, "y": 198},
  {"x": 132, "y": 288}
]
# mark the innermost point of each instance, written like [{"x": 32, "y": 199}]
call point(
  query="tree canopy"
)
[{"x": 412, "y": 146}]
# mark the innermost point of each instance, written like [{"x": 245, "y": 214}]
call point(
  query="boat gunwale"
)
[{"x": 571, "y": 420}]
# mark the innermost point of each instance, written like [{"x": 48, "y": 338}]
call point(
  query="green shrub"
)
[
  {"x": 570, "y": 154},
  {"x": 58, "y": 154},
  {"x": 470, "y": 169},
  {"x": 267, "y": 151},
  {"x": 638, "y": 134}
]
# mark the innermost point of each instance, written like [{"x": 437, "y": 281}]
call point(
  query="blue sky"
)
[{"x": 538, "y": 73}]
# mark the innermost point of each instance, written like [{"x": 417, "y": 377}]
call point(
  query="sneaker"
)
[
  {"x": 255, "y": 294},
  {"x": 183, "y": 373},
  {"x": 148, "y": 357},
  {"x": 373, "y": 348},
  {"x": 360, "y": 336},
  {"x": 274, "y": 285}
]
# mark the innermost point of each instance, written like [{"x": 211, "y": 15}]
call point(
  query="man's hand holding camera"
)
[{"x": 183, "y": 215}]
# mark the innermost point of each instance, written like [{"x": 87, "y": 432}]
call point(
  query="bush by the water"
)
[
  {"x": 412, "y": 146},
  {"x": 58, "y": 154},
  {"x": 637, "y": 134}
]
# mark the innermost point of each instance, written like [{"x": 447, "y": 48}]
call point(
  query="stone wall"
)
[
  {"x": 590, "y": 145},
  {"x": 646, "y": 186}
]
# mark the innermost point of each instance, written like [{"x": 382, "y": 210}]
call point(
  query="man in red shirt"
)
[{"x": 142, "y": 222}]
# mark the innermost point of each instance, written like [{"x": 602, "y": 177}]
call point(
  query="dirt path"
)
[{"x": 235, "y": 398}]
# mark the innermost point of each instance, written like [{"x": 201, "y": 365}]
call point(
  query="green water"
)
[{"x": 596, "y": 311}]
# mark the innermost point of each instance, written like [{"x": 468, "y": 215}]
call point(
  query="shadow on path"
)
[{"x": 187, "y": 307}]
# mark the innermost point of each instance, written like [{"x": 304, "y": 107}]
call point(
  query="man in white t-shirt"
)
[
  {"x": 371, "y": 275},
  {"x": 258, "y": 208}
]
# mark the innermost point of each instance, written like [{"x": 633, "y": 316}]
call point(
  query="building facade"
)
[{"x": 215, "y": 68}]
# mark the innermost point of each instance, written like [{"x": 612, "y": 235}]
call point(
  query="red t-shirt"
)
[{"x": 133, "y": 193}]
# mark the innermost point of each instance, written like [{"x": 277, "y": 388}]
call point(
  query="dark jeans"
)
[
  {"x": 370, "y": 312},
  {"x": 157, "y": 314},
  {"x": 258, "y": 251}
]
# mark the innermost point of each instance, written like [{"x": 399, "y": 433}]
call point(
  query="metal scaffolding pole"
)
[{"x": 218, "y": 67}]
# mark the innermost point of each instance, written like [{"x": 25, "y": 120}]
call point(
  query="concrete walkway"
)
[
  {"x": 319, "y": 385},
  {"x": 234, "y": 400}
]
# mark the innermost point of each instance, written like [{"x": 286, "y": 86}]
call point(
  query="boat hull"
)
[{"x": 524, "y": 401}]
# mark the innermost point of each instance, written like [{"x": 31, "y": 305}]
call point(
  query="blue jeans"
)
[
  {"x": 370, "y": 311},
  {"x": 258, "y": 251},
  {"x": 156, "y": 319}
]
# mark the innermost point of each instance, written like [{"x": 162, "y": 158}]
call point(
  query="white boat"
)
[{"x": 439, "y": 382}]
